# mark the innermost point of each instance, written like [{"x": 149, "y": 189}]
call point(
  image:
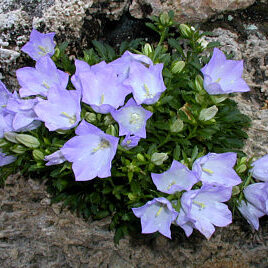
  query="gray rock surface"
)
[{"x": 34, "y": 233}]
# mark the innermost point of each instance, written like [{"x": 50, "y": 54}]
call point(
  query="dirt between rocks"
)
[{"x": 34, "y": 233}]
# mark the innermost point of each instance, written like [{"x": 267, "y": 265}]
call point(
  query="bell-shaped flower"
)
[
  {"x": 132, "y": 119},
  {"x": 177, "y": 178},
  {"x": 250, "y": 213},
  {"x": 22, "y": 113},
  {"x": 222, "y": 76},
  {"x": 6, "y": 159},
  {"x": 5, "y": 94},
  {"x": 156, "y": 215},
  {"x": 38, "y": 80},
  {"x": 122, "y": 64},
  {"x": 91, "y": 152},
  {"x": 256, "y": 204},
  {"x": 203, "y": 209},
  {"x": 55, "y": 159},
  {"x": 130, "y": 141},
  {"x": 217, "y": 169},
  {"x": 146, "y": 83},
  {"x": 101, "y": 87},
  {"x": 61, "y": 110},
  {"x": 260, "y": 169},
  {"x": 40, "y": 45}
]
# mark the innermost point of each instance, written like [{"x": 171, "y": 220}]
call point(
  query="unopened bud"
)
[
  {"x": 199, "y": 83},
  {"x": 56, "y": 53},
  {"x": 209, "y": 113},
  {"x": 159, "y": 158},
  {"x": 140, "y": 157},
  {"x": 11, "y": 136},
  {"x": 28, "y": 140},
  {"x": 164, "y": 19},
  {"x": 90, "y": 117},
  {"x": 178, "y": 67},
  {"x": 235, "y": 190},
  {"x": 111, "y": 130},
  {"x": 38, "y": 155},
  {"x": 147, "y": 49},
  {"x": 241, "y": 168},
  {"x": 218, "y": 99},
  {"x": 3, "y": 142},
  {"x": 108, "y": 120},
  {"x": 18, "y": 149},
  {"x": 185, "y": 30},
  {"x": 176, "y": 126}
]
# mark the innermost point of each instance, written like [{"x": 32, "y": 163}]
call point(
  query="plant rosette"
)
[{"x": 146, "y": 132}]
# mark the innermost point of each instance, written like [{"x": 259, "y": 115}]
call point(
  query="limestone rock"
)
[{"x": 186, "y": 10}]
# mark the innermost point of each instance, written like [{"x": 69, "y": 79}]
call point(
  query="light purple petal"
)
[
  {"x": 39, "y": 45},
  {"x": 217, "y": 169},
  {"x": 251, "y": 214},
  {"x": 132, "y": 119},
  {"x": 91, "y": 153},
  {"x": 222, "y": 76},
  {"x": 156, "y": 215},
  {"x": 38, "y": 80},
  {"x": 130, "y": 142},
  {"x": 55, "y": 159},
  {"x": 6, "y": 159},
  {"x": 260, "y": 168},
  {"x": 61, "y": 110},
  {"x": 175, "y": 179}
]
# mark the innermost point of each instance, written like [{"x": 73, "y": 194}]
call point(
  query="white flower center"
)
[
  {"x": 135, "y": 118},
  {"x": 72, "y": 119}
]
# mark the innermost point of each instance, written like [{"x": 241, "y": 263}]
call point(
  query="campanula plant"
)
[{"x": 143, "y": 133}]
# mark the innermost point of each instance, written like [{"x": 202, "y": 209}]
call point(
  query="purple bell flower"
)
[
  {"x": 6, "y": 159},
  {"x": 256, "y": 195},
  {"x": 40, "y": 45},
  {"x": 101, "y": 87},
  {"x": 203, "y": 208},
  {"x": 177, "y": 178},
  {"x": 61, "y": 110},
  {"x": 222, "y": 76},
  {"x": 38, "y": 80},
  {"x": 130, "y": 142},
  {"x": 260, "y": 169},
  {"x": 55, "y": 159},
  {"x": 91, "y": 152},
  {"x": 22, "y": 113},
  {"x": 131, "y": 119},
  {"x": 251, "y": 214},
  {"x": 122, "y": 64},
  {"x": 156, "y": 215},
  {"x": 217, "y": 169},
  {"x": 146, "y": 83}
]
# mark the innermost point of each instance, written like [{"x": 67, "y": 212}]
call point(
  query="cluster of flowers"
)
[
  {"x": 203, "y": 208},
  {"x": 105, "y": 87}
]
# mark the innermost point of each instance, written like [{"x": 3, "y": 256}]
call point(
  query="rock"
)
[
  {"x": 32, "y": 235},
  {"x": 186, "y": 10}
]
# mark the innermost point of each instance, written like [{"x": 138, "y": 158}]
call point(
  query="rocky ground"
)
[{"x": 34, "y": 233}]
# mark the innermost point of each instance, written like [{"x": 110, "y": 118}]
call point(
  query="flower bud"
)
[
  {"x": 165, "y": 19},
  {"x": 111, "y": 130},
  {"x": 147, "y": 49},
  {"x": 235, "y": 190},
  {"x": 3, "y": 142},
  {"x": 199, "y": 83},
  {"x": 209, "y": 113},
  {"x": 185, "y": 30},
  {"x": 18, "y": 149},
  {"x": 38, "y": 155},
  {"x": 108, "y": 120},
  {"x": 28, "y": 140},
  {"x": 140, "y": 157},
  {"x": 11, "y": 136},
  {"x": 218, "y": 99},
  {"x": 159, "y": 158},
  {"x": 241, "y": 168},
  {"x": 90, "y": 117},
  {"x": 178, "y": 67},
  {"x": 176, "y": 126}
]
